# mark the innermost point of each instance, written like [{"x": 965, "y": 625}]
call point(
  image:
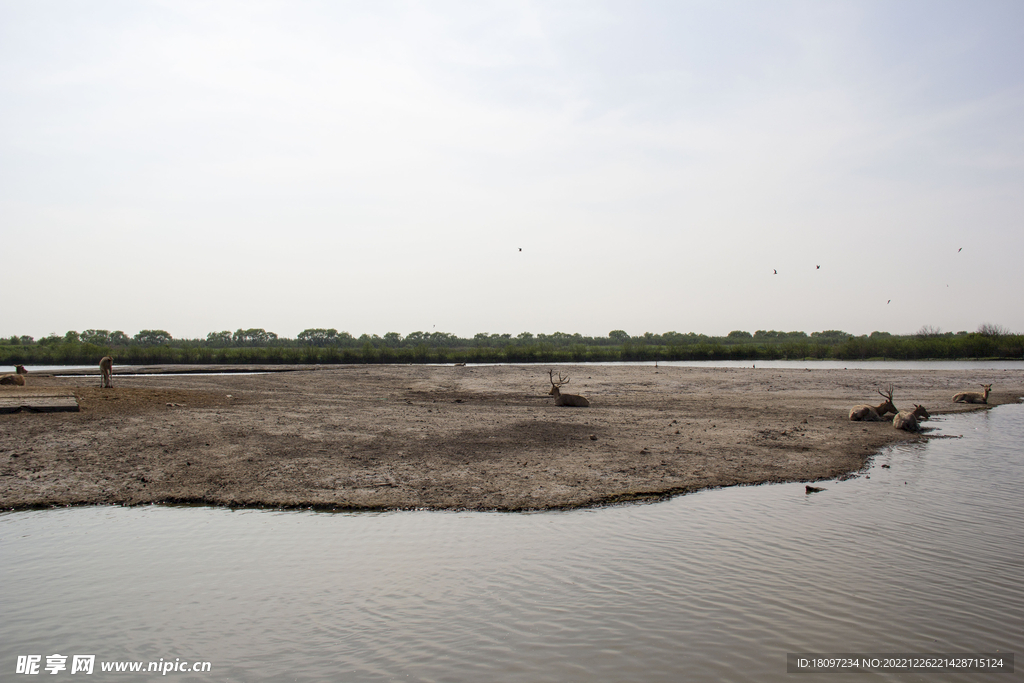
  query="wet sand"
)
[{"x": 435, "y": 437}]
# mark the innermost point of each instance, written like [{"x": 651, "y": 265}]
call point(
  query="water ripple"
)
[{"x": 925, "y": 556}]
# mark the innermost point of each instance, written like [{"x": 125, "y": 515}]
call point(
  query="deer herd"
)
[{"x": 908, "y": 420}]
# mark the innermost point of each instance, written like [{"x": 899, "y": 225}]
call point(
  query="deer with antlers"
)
[
  {"x": 973, "y": 396},
  {"x": 106, "y": 372},
  {"x": 866, "y": 413},
  {"x": 908, "y": 420},
  {"x": 16, "y": 379},
  {"x": 564, "y": 399}
]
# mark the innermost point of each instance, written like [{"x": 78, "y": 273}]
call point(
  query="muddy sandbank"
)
[{"x": 440, "y": 437}]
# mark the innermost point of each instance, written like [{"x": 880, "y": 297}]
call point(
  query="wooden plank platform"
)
[{"x": 39, "y": 403}]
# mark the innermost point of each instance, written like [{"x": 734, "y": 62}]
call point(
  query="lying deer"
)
[
  {"x": 17, "y": 378},
  {"x": 564, "y": 399},
  {"x": 866, "y": 413},
  {"x": 907, "y": 420},
  {"x": 973, "y": 396},
  {"x": 106, "y": 372}
]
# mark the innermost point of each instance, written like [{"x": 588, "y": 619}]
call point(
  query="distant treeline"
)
[{"x": 257, "y": 346}]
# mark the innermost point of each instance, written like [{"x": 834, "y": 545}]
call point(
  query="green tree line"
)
[{"x": 326, "y": 346}]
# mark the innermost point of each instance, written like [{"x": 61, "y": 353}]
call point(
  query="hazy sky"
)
[{"x": 378, "y": 166}]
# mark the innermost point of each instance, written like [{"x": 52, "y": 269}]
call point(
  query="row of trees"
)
[
  {"x": 324, "y": 338},
  {"x": 118, "y": 339},
  {"x": 317, "y": 345}
]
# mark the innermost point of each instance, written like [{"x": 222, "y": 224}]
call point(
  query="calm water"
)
[
  {"x": 924, "y": 556},
  {"x": 833, "y": 364}
]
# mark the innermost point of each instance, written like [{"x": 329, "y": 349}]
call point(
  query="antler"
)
[
  {"x": 561, "y": 380},
  {"x": 888, "y": 394}
]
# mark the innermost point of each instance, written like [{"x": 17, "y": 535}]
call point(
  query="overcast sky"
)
[{"x": 511, "y": 166}]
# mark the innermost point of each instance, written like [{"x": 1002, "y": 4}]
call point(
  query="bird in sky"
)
[
  {"x": 817, "y": 267},
  {"x": 774, "y": 272},
  {"x": 520, "y": 248},
  {"x": 888, "y": 302}
]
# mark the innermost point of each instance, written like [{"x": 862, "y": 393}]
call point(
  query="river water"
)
[{"x": 923, "y": 556}]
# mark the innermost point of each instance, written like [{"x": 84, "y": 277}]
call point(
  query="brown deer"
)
[
  {"x": 866, "y": 413},
  {"x": 564, "y": 399},
  {"x": 106, "y": 372},
  {"x": 16, "y": 379},
  {"x": 907, "y": 420},
  {"x": 973, "y": 396}
]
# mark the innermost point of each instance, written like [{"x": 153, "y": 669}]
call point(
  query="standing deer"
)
[
  {"x": 106, "y": 372},
  {"x": 17, "y": 379},
  {"x": 973, "y": 396},
  {"x": 868, "y": 413},
  {"x": 564, "y": 399},
  {"x": 907, "y": 420}
]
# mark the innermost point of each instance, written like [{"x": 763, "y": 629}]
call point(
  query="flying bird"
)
[
  {"x": 888, "y": 302},
  {"x": 774, "y": 272},
  {"x": 818, "y": 267},
  {"x": 959, "y": 250}
]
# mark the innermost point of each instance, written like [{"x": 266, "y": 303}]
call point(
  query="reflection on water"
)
[{"x": 924, "y": 556}]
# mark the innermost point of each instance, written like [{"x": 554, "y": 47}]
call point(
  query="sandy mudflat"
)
[{"x": 480, "y": 438}]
